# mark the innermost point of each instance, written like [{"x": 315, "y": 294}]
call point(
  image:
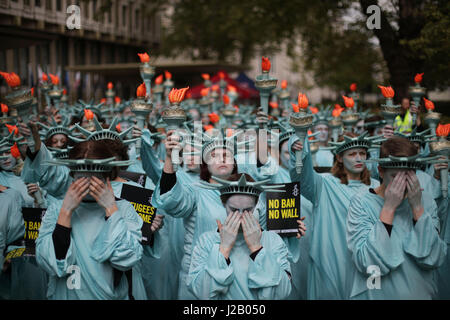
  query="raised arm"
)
[{"x": 310, "y": 181}]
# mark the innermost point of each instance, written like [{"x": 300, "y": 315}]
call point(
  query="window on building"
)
[
  {"x": 124, "y": 15},
  {"x": 49, "y": 5}
]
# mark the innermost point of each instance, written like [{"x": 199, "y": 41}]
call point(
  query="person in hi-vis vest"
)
[{"x": 404, "y": 121}]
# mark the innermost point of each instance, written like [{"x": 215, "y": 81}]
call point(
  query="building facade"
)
[{"x": 39, "y": 36}]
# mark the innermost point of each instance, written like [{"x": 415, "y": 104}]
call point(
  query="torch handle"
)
[
  {"x": 298, "y": 154},
  {"x": 47, "y": 99},
  {"x": 38, "y": 197},
  {"x": 140, "y": 123},
  {"x": 175, "y": 159},
  {"x": 148, "y": 88},
  {"x": 444, "y": 182},
  {"x": 264, "y": 100},
  {"x": 335, "y": 134}
]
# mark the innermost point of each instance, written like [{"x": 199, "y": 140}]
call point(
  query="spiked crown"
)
[
  {"x": 415, "y": 162},
  {"x": 240, "y": 187},
  {"x": 362, "y": 141},
  {"x": 55, "y": 128},
  {"x": 100, "y": 133},
  {"x": 90, "y": 165}
]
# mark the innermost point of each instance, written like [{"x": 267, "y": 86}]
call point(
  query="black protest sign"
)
[
  {"x": 283, "y": 209},
  {"x": 133, "y": 176},
  {"x": 32, "y": 218},
  {"x": 141, "y": 199}
]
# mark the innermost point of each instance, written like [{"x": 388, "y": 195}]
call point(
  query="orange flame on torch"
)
[
  {"x": 32, "y": 91},
  {"x": 302, "y": 101},
  {"x": 4, "y": 108},
  {"x": 159, "y": 79},
  {"x": 117, "y": 99},
  {"x": 349, "y": 102},
  {"x": 387, "y": 92},
  {"x": 273, "y": 104},
  {"x": 337, "y": 112},
  {"x": 295, "y": 107},
  {"x": 12, "y": 79},
  {"x": 265, "y": 64},
  {"x": 443, "y": 130},
  {"x": 168, "y": 75},
  {"x": 88, "y": 114},
  {"x": 204, "y": 92},
  {"x": 429, "y": 105},
  {"x": 12, "y": 128},
  {"x": 314, "y": 110},
  {"x": 44, "y": 77},
  {"x": 55, "y": 79},
  {"x": 215, "y": 87},
  {"x": 118, "y": 129},
  {"x": 214, "y": 117},
  {"x": 226, "y": 99},
  {"x": 418, "y": 77},
  {"x": 231, "y": 88},
  {"x": 205, "y": 76},
  {"x": 144, "y": 57},
  {"x": 284, "y": 84},
  {"x": 141, "y": 90},
  {"x": 353, "y": 87},
  {"x": 221, "y": 75},
  {"x": 177, "y": 95},
  {"x": 110, "y": 85},
  {"x": 15, "y": 151}
]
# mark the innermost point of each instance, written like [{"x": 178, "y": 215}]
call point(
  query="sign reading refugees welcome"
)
[{"x": 141, "y": 199}]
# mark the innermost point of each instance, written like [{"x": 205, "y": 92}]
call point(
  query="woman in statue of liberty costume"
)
[
  {"x": 239, "y": 261},
  {"x": 162, "y": 274},
  {"x": 331, "y": 269},
  {"x": 89, "y": 236},
  {"x": 10, "y": 163},
  {"x": 393, "y": 230},
  {"x": 11, "y": 235}
]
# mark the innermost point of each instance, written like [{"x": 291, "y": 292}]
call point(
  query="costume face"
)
[
  {"x": 389, "y": 174},
  {"x": 323, "y": 135},
  {"x": 241, "y": 203},
  {"x": 220, "y": 162},
  {"x": 205, "y": 119},
  {"x": 194, "y": 114},
  {"x": 378, "y": 131},
  {"x": 8, "y": 163},
  {"x": 78, "y": 175},
  {"x": 284, "y": 155},
  {"x": 58, "y": 141},
  {"x": 191, "y": 162},
  {"x": 360, "y": 127},
  {"x": 127, "y": 112},
  {"x": 352, "y": 160}
]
